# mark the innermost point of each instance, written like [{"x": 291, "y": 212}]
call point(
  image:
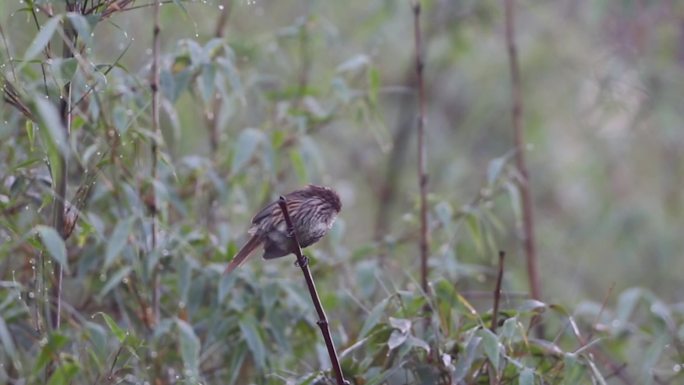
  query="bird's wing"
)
[
  {"x": 265, "y": 212},
  {"x": 273, "y": 209}
]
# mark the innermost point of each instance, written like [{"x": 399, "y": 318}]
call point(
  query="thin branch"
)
[
  {"x": 497, "y": 292},
  {"x": 154, "y": 85},
  {"x": 422, "y": 173},
  {"x": 322, "y": 319},
  {"x": 524, "y": 182}
]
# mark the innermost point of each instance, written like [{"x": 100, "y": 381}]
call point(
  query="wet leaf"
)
[
  {"x": 118, "y": 240},
  {"x": 54, "y": 244},
  {"x": 43, "y": 37},
  {"x": 189, "y": 347}
]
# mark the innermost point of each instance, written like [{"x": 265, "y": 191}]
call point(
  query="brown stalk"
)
[
  {"x": 519, "y": 135},
  {"x": 322, "y": 319},
  {"x": 422, "y": 173},
  {"x": 154, "y": 85},
  {"x": 497, "y": 292},
  {"x": 60, "y": 185},
  {"x": 212, "y": 116}
]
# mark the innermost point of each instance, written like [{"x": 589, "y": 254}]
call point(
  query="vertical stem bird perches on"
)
[
  {"x": 422, "y": 173},
  {"x": 154, "y": 86},
  {"x": 322, "y": 319},
  {"x": 524, "y": 182}
]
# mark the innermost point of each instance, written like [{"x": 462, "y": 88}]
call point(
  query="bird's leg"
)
[{"x": 305, "y": 261}]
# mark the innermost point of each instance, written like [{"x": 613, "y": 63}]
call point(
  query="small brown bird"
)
[{"x": 313, "y": 211}]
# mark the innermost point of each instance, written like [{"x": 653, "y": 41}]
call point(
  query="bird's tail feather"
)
[{"x": 242, "y": 255}]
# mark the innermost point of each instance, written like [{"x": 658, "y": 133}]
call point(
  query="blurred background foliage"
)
[{"x": 259, "y": 97}]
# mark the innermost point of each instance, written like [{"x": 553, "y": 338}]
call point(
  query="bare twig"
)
[
  {"x": 322, "y": 319},
  {"x": 422, "y": 173},
  {"x": 497, "y": 292},
  {"x": 524, "y": 182},
  {"x": 154, "y": 85}
]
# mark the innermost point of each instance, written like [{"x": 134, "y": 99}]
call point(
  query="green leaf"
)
[
  {"x": 208, "y": 82},
  {"x": 225, "y": 285},
  {"x": 55, "y": 342},
  {"x": 531, "y": 305},
  {"x": 397, "y": 338},
  {"x": 244, "y": 147},
  {"x": 374, "y": 317},
  {"x": 64, "y": 70},
  {"x": 418, "y": 343},
  {"x": 8, "y": 342},
  {"x": 118, "y": 240},
  {"x": 494, "y": 169},
  {"x": 119, "y": 333},
  {"x": 404, "y": 325},
  {"x": 52, "y": 131},
  {"x": 526, "y": 377},
  {"x": 466, "y": 361},
  {"x": 64, "y": 372},
  {"x": 573, "y": 370},
  {"x": 82, "y": 25},
  {"x": 491, "y": 346},
  {"x": 43, "y": 37},
  {"x": 54, "y": 244},
  {"x": 114, "y": 280},
  {"x": 253, "y": 338},
  {"x": 30, "y": 134},
  {"x": 627, "y": 302},
  {"x": 373, "y": 86},
  {"x": 189, "y": 347}
]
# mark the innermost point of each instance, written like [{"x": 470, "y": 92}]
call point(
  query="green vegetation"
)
[{"x": 116, "y": 227}]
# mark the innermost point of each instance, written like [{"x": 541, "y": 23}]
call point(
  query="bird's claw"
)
[{"x": 305, "y": 261}]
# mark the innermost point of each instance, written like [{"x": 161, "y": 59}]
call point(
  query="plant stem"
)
[
  {"x": 60, "y": 184},
  {"x": 422, "y": 173},
  {"x": 497, "y": 292},
  {"x": 322, "y": 319},
  {"x": 154, "y": 85},
  {"x": 524, "y": 182}
]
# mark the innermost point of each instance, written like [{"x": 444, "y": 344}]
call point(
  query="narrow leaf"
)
[
  {"x": 491, "y": 347},
  {"x": 114, "y": 280},
  {"x": 397, "y": 338},
  {"x": 7, "y": 341},
  {"x": 526, "y": 377},
  {"x": 189, "y": 347},
  {"x": 119, "y": 333},
  {"x": 117, "y": 241},
  {"x": 54, "y": 244},
  {"x": 254, "y": 343},
  {"x": 42, "y": 38},
  {"x": 245, "y": 146}
]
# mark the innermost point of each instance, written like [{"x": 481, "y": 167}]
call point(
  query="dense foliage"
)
[{"x": 257, "y": 98}]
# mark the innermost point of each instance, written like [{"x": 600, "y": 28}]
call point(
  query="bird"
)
[{"x": 313, "y": 210}]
